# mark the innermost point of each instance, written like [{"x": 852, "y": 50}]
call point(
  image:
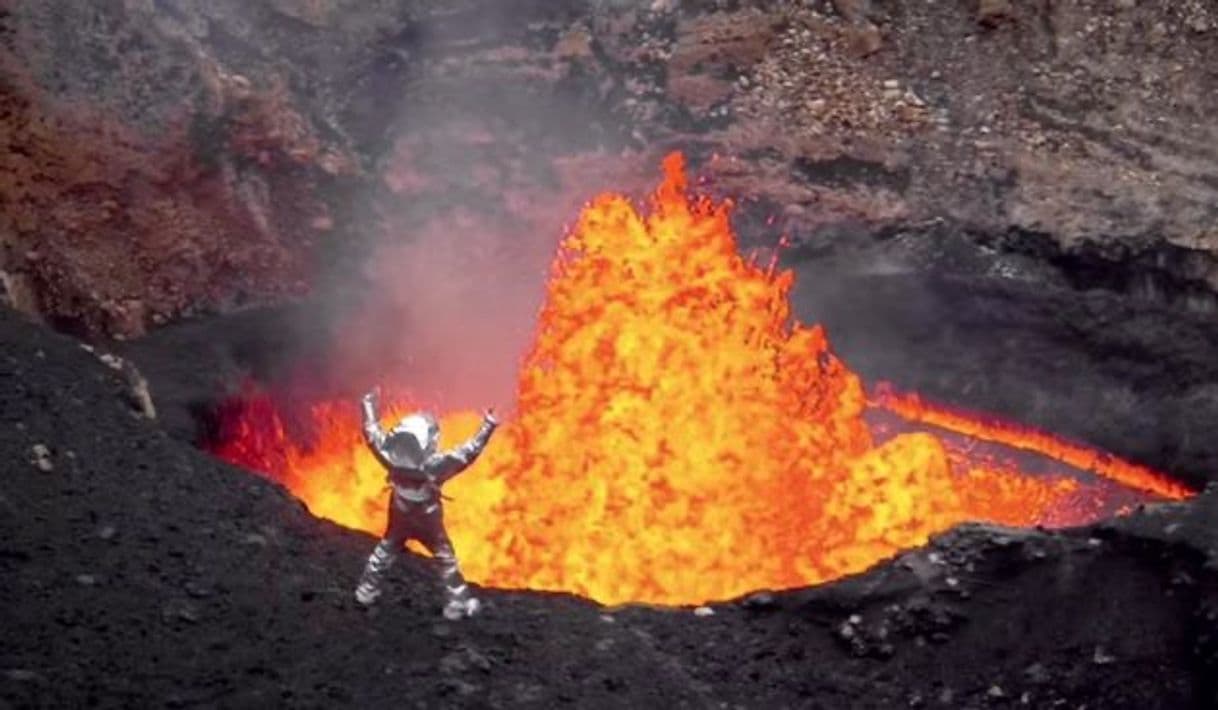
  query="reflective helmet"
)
[{"x": 413, "y": 440}]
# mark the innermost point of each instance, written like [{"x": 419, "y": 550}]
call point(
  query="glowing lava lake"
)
[{"x": 677, "y": 438}]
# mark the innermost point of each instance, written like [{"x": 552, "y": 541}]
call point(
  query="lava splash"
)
[{"x": 677, "y": 438}]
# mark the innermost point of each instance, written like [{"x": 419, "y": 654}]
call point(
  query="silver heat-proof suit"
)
[{"x": 416, "y": 471}]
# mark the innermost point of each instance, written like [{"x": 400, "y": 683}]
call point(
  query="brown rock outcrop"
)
[{"x": 190, "y": 155}]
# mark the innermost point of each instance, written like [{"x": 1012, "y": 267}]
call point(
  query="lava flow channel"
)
[{"x": 676, "y": 438}]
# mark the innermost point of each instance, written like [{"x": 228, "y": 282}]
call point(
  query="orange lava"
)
[
  {"x": 911, "y": 407},
  {"x": 676, "y": 438}
]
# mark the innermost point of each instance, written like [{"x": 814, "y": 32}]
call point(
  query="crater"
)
[{"x": 676, "y": 438}]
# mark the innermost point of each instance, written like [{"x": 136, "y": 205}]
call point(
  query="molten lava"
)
[
  {"x": 676, "y": 437},
  {"x": 913, "y": 408}
]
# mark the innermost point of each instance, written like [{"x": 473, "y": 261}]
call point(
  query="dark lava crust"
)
[
  {"x": 967, "y": 320},
  {"x": 138, "y": 572}
]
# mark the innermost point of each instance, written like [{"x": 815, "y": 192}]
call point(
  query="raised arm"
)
[
  {"x": 457, "y": 460},
  {"x": 373, "y": 433}
]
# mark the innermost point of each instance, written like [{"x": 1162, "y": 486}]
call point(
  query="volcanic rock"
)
[
  {"x": 40, "y": 456},
  {"x": 993, "y": 12},
  {"x": 1037, "y": 674},
  {"x": 278, "y": 111},
  {"x": 758, "y": 601},
  {"x": 866, "y": 40},
  {"x": 852, "y": 10},
  {"x": 151, "y": 181}
]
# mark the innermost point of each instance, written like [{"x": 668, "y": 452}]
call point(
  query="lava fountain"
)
[{"x": 676, "y": 437}]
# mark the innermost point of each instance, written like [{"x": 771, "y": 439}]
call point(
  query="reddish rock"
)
[
  {"x": 994, "y": 12},
  {"x": 131, "y": 213},
  {"x": 865, "y": 40},
  {"x": 207, "y": 161}
]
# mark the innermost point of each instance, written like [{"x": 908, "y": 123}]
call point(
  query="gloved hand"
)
[{"x": 489, "y": 417}]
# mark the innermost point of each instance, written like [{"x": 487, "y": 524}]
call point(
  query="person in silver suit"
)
[{"x": 417, "y": 469}]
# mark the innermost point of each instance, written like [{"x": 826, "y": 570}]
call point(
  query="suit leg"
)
[
  {"x": 383, "y": 556},
  {"x": 459, "y": 601}
]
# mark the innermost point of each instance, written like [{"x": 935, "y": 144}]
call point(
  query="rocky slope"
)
[
  {"x": 271, "y": 139},
  {"x": 145, "y": 179},
  {"x": 135, "y": 571}
]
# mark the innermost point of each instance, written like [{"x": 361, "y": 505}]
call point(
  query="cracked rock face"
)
[
  {"x": 146, "y": 178},
  {"x": 177, "y": 157}
]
